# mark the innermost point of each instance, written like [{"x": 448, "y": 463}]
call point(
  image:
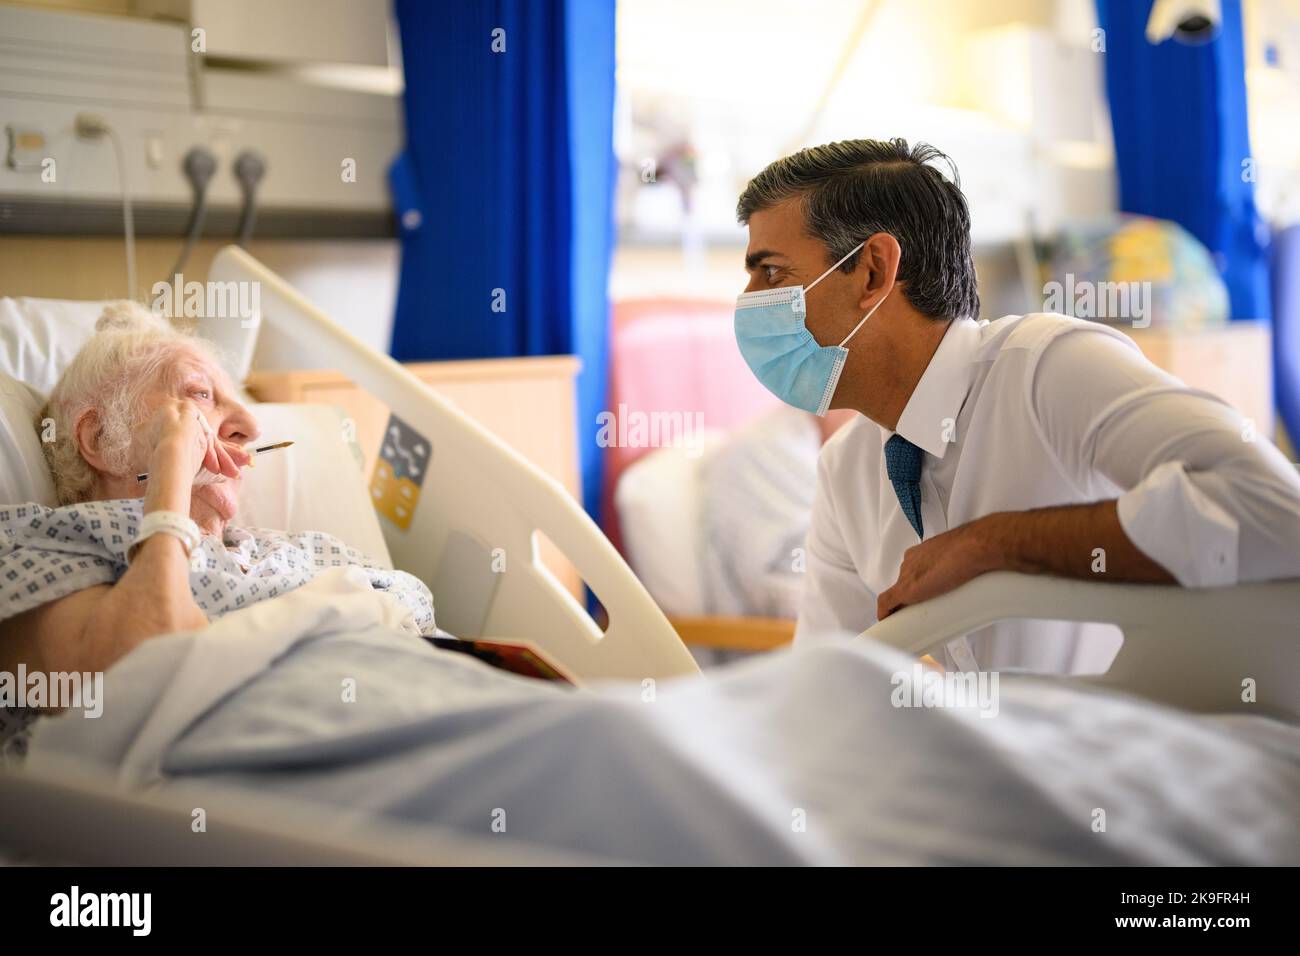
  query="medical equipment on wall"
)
[
  {"x": 329, "y": 146},
  {"x": 90, "y": 127},
  {"x": 200, "y": 166},
  {"x": 249, "y": 170}
]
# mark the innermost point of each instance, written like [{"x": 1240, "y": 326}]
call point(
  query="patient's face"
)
[{"x": 205, "y": 384}]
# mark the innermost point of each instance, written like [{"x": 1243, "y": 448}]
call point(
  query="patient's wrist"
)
[
  {"x": 158, "y": 545},
  {"x": 171, "y": 524},
  {"x": 170, "y": 479}
]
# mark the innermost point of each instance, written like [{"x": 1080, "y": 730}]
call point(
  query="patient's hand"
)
[{"x": 182, "y": 442}]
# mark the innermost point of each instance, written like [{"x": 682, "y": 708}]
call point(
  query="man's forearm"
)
[{"x": 1077, "y": 541}]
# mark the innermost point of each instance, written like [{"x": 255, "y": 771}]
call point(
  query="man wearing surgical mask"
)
[{"x": 1039, "y": 443}]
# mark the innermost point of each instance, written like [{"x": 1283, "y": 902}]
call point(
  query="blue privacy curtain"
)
[
  {"x": 1179, "y": 116},
  {"x": 504, "y": 191}
]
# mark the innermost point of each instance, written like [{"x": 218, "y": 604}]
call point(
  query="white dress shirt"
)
[{"x": 1043, "y": 410}]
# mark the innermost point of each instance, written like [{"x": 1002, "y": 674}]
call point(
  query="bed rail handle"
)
[{"x": 1201, "y": 649}]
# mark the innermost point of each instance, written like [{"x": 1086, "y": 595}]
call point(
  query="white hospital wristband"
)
[{"x": 168, "y": 522}]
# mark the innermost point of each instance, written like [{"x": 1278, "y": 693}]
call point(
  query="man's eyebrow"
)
[{"x": 754, "y": 258}]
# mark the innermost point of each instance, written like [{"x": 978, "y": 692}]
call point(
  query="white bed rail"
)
[
  {"x": 1198, "y": 649},
  {"x": 479, "y": 496}
]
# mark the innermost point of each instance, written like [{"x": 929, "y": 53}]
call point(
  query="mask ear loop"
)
[
  {"x": 837, "y": 265},
  {"x": 870, "y": 313}
]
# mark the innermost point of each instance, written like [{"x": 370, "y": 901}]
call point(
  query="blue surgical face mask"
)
[{"x": 782, "y": 353}]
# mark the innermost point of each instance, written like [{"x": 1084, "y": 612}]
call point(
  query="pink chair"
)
[{"x": 675, "y": 355}]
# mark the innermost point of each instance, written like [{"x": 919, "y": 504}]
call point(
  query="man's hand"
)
[
  {"x": 939, "y": 564},
  {"x": 1068, "y": 541}
]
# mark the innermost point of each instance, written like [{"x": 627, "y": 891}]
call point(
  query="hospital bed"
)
[{"x": 1188, "y": 649}]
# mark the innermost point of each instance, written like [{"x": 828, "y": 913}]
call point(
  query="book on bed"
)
[{"x": 517, "y": 657}]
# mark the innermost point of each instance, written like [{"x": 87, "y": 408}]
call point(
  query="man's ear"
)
[
  {"x": 879, "y": 260},
  {"x": 87, "y": 431}
]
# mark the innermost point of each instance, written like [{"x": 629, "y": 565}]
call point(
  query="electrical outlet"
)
[{"x": 28, "y": 148}]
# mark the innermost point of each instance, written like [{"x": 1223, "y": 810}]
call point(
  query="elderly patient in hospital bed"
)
[
  {"x": 289, "y": 663},
  {"x": 142, "y": 397}
]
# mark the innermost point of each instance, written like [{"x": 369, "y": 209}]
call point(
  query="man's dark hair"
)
[{"x": 856, "y": 188}]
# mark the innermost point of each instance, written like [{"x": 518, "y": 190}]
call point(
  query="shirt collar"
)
[{"x": 929, "y": 418}]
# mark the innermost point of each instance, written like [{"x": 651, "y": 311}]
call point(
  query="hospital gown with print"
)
[{"x": 49, "y": 553}]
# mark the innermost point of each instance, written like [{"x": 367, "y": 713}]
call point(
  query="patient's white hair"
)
[{"x": 132, "y": 349}]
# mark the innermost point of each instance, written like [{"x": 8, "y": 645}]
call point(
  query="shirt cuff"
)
[{"x": 1182, "y": 529}]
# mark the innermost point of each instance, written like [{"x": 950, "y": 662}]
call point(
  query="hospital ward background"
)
[{"x": 478, "y": 264}]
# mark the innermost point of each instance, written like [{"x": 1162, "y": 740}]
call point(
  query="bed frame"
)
[{"x": 1190, "y": 649}]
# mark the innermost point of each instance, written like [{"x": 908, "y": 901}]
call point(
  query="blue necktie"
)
[{"x": 903, "y": 465}]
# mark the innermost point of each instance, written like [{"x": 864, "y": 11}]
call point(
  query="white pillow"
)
[
  {"x": 658, "y": 500},
  {"x": 317, "y": 485},
  {"x": 24, "y": 476},
  {"x": 39, "y": 337}
]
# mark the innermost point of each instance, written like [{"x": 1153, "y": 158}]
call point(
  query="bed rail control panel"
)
[{"x": 404, "y": 456}]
